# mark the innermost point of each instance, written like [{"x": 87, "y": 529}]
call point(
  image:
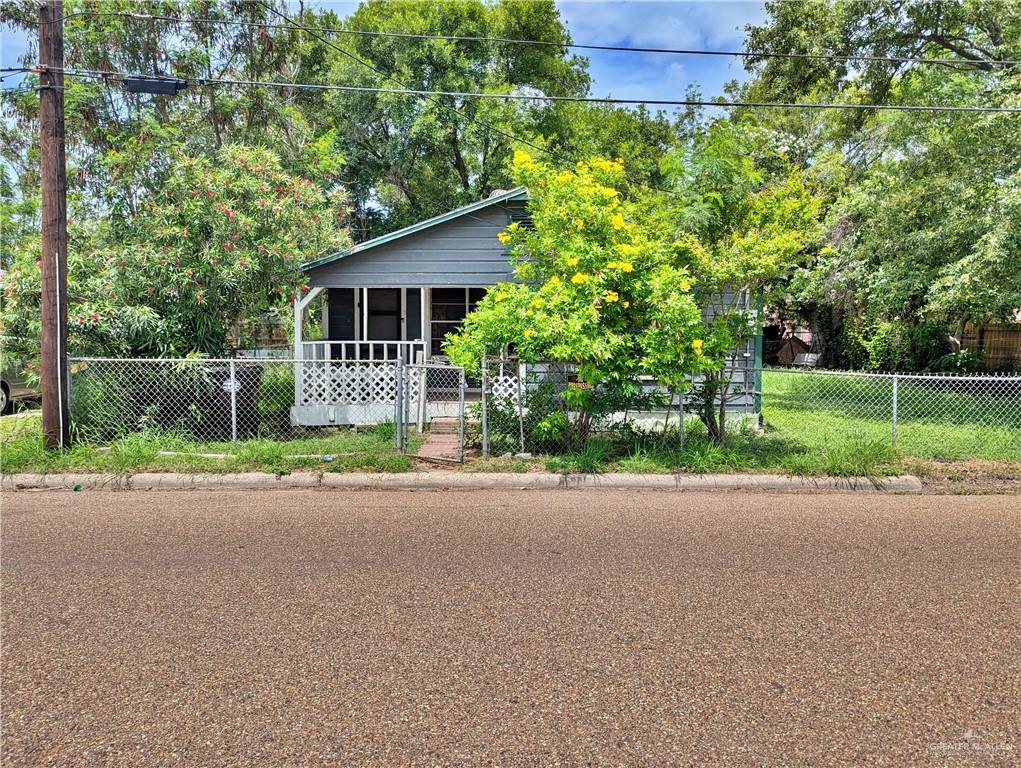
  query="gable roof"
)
[{"x": 518, "y": 193}]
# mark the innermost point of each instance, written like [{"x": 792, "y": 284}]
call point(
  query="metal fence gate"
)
[{"x": 431, "y": 402}]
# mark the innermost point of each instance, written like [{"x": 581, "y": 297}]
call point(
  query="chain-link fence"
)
[
  {"x": 238, "y": 399},
  {"x": 433, "y": 397},
  {"x": 205, "y": 399},
  {"x": 537, "y": 408},
  {"x": 544, "y": 408},
  {"x": 931, "y": 415},
  {"x": 530, "y": 407}
]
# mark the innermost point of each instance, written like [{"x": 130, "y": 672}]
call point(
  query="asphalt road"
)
[{"x": 526, "y": 628}]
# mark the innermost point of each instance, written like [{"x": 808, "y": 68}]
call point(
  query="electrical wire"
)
[
  {"x": 429, "y": 97},
  {"x": 201, "y": 82},
  {"x": 560, "y": 45}
]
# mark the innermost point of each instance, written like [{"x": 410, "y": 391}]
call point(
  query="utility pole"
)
[{"x": 53, "y": 264}]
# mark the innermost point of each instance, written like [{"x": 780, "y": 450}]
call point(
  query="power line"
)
[
  {"x": 845, "y": 58},
  {"x": 432, "y": 95},
  {"x": 429, "y": 97}
]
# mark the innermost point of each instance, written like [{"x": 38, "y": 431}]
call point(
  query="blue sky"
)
[{"x": 706, "y": 24}]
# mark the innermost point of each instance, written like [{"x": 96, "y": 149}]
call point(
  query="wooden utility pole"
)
[{"x": 53, "y": 264}]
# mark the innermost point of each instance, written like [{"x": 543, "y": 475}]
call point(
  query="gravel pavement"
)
[{"x": 307, "y": 628}]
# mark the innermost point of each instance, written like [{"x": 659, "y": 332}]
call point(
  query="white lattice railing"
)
[{"x": 348, "y": 383}]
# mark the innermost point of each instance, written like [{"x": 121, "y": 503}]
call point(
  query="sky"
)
[{"x": 716, "y": 24}]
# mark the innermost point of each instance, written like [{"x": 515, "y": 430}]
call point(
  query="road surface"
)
[{"x": 509, "y": 628}]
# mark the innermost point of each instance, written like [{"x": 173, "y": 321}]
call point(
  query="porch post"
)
[
  {"x": 299, "y": 348},
  {"x": 426, "y": 330},
  {"x": 365, "y": 314}
]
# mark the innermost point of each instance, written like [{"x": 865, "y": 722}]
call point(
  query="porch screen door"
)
[{"x": 384, "y": 314}]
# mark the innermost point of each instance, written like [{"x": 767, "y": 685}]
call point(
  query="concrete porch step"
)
[{"x": 443, "y": 425}]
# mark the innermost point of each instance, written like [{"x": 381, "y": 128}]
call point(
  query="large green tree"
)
[
  {"x": 921, "y": 204},
  {"x": 419, "y": 156},
  {"x": 220, "y": 242},
  {"x": 624, "y": 281}
]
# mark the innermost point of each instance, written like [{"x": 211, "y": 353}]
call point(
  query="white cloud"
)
[{"x": 693, "y": 25}]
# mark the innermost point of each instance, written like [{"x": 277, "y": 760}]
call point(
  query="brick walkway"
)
[{"x": 441, "y": 440}]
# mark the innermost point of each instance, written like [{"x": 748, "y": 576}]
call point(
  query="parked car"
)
[{"x": 13, "y": 386}]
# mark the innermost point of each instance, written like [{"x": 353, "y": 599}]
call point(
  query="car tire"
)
[{"x": 6, "y": 404}]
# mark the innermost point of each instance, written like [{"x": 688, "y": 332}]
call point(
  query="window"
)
[{"x": 449, "y": 307}]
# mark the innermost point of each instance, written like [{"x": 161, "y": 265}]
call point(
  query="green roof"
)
[{"x": 519, "y": 193}]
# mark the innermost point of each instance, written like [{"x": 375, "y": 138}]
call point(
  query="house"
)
[{"x": 395, "y": 297}]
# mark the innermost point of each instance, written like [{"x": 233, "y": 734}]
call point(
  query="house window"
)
[{"x": 449, "y": 307}]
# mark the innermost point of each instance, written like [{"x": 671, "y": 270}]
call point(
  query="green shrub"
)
[{"x": 963, "y": 362}]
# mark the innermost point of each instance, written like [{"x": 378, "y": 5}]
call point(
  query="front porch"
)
[{"x": 349, "y": 374}]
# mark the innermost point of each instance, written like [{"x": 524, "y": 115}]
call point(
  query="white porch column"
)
[
  {"x": 299, "y": 348},
  {"x": 365, "y": 315},
  {"x": 426, "y": 330}
]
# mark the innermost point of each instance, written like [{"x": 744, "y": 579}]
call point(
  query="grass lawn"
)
[
  {"x": 368, "y": 450},
  {"x": 824, "y": 425},
  {"x": 815, "y": 425}
]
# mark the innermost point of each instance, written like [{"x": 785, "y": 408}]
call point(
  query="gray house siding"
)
[{"x": 463, "y": 252}]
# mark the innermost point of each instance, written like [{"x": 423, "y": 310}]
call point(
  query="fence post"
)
[
  {"x": 522, "y": 372},
  {"x": 460, "y": 415},
  {"x": 233, "y": 404},
  {"x": 398, "y": 405},
  {"x": 485, "y": 417},
  {"x": 680, "y": 413},
  {"x": 894, "y": 409}
]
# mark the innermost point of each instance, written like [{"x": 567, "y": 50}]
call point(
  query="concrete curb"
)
[{"x": 441, "y": 481}]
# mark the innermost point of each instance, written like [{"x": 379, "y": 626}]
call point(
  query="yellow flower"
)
[
  {"x": 611, "y": 296},
  {"x": 522, "y": 158},
  {"x": 536, "y": 302},
  {"x": 608, "y": 165},
  {"x": 564, "y": 176},
  {"x": 529, "y": 313},
  {"x": 617, "y": 221},
  {"x": 503, "y": 237},
  {"x": 685, "y": 285},
  {"x": 625, "y": 304},
  {"x": 625, "y": 266},
  {"x": 553, "y": 282},
  {"x": 579, "y": 278},
  {"x": 626, "y": 249},
  {"x": 500, "y": 295},
  {"x": 697, "y": 346},
  {"x": 529, "y": 332},
  {"x": 579, "y": 224},
  {"x": 572, "y": 261}
]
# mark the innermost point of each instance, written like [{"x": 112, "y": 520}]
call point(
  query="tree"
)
[
  {"x": 623, "y": 281},
  {"x": 919, "y": 216},
  {"x": 742, "y": 230},
  {"x": 417, "y": 156},
  {"x": 220, "y": 242}
]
